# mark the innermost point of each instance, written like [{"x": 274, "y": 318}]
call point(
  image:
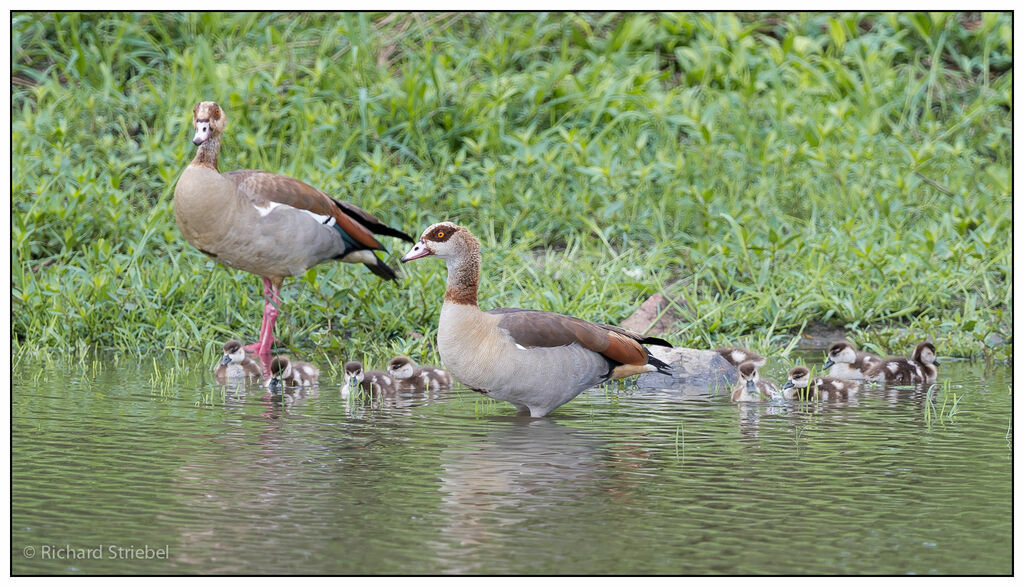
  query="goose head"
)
[
  {"x": 799, "y": 378},
  {"x": 445, "y": 240},
  {"x": 208, "y": 120},
  {"x": 924, "y": 353},
  {"x": 353, "y": 373},
  {"x": 401, "y": 367},
  {"x": 233, "y": 353},
  {"x": 840, "y": 352}
]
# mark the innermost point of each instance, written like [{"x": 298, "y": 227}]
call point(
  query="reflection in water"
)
[
  {"x": 517, "y": 473},
  {"x": 618, "y": 481}
]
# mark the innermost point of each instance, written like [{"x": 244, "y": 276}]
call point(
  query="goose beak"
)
[
  {"x": 352, "y": 382},
  {"x": 275, "y": 385},
  {"x": 417, "y": 251},
  {"x": 935, "y": 361},
  {"x": 225, "y": 360},
  {"x": 202, "y": 133},
  {"x": 750, "y": 385},
  {"x": 828, "y": 363},
  {"x": 787, "y": 385}
]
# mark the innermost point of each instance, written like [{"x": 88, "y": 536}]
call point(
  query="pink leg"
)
[
  {"x": 270, "y": 311},
  {"x": 255, "y": 347}
]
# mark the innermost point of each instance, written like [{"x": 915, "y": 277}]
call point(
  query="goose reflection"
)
[{"x": 521, "y": 471}]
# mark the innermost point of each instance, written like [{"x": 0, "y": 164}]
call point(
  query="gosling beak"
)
[
  {"x": 787, "y": 385},
  {"x": 352, "y": 382},
  {"x": 417, "y": 251},
  {"x": 935, "y": 361},
  {"x": 750, "y": 385},
  {"x": 275, "y": 384},
  {"x": 828, "y": 363},
  {"x": 225, "y": 360}
]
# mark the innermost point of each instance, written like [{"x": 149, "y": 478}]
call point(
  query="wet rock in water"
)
[
  {"x": 645, "y": 319},
  {"x": 691, "y": 368}
]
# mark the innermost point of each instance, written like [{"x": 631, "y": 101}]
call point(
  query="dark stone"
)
[{"x": 693, "y": 371}]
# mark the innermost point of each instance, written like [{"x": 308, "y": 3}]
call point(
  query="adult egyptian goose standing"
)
[
  {"x": 846, "y": 362},
  {"x": 532, "y": 359},
  {"x": 424, "y": 378},
  {"x": 800, "y": 386},
  {"x": 235, "y": 365},
  {"x": 267, "y": 224},
  {"x": 751, "y": 387},
  {"x": 920, "y": 368}
]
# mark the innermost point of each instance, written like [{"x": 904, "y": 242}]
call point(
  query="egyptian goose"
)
[
  {"x": 267, "y": 224},
  {"x": 408, "y": 375},
  {"x": 846, "y": 362},
  {"x": 288, "y": 373},
  {"x": 900, "y": 371},
  {"x": 800, "y": 386},
  {"x": 751, "y": 387},
  {"x": 534, "y": 360},
  {"x": 235, "y": 365},
  {"x": 369, "y": 382},
  {"x": 737, "y": 356}
]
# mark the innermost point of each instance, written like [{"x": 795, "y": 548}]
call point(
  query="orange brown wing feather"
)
[
  {"x": 262, "y": 186},
  {"x": 625, "y": 350}
]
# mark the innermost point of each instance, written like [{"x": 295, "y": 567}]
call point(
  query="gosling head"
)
[
  {"x": 924, "y": 353},
  {"x": 799, "y": 378},
  {"x": 401, "y": 367},
  {"x": 353, "y": 373},
  {"x": 748, "y": 374},
  {"x": 233, "y": 353},
  {"x": 841, "y": 352},
  {"x": 280, "y": 369}
]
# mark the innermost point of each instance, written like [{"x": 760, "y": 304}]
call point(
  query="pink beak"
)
[{"x": 417, "y": 251}]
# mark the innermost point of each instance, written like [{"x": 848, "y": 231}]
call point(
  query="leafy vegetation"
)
[{"x": 768, "y": 171}]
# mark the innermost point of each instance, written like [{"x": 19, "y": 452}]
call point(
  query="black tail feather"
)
[
  {"x": 381, "y": 270},
  {"x": 372, "y": 222},
  {"x": 655, "y": 341},
  {"x": 662, "y": 367}
]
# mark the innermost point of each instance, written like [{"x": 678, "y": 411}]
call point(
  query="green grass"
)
[{"x": 768, "y": 171}]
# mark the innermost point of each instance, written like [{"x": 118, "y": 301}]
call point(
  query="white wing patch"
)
[
  {"x": 321, "y": 218},
  {"x": 264, "y": 210}
]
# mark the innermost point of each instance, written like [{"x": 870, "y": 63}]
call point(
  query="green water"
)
[{"x": 114, "y": 456}]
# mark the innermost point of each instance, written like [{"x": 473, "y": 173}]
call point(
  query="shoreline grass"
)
[{"x": 771, "y": 171}]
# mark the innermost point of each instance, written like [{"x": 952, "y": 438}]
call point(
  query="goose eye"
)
[{"x": 440, "y": 234}]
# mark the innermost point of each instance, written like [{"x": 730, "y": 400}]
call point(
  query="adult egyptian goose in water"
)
[
  {"x": 369, "y": 382},
  {"x": 846, "y": 362},
  {"x": 267, "y": 224},
  {"x": 800, "y": 386},
  {"x": 737, "y": 356},
  {"x": 534, "y": 360},
  {"x": 408, "y": 375},
  {"x": 920, "y": 368},
  {"x": 235, "y": 365},
  {"x": 751, "y": 387},
  {"x": 287, "y": 373}
]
